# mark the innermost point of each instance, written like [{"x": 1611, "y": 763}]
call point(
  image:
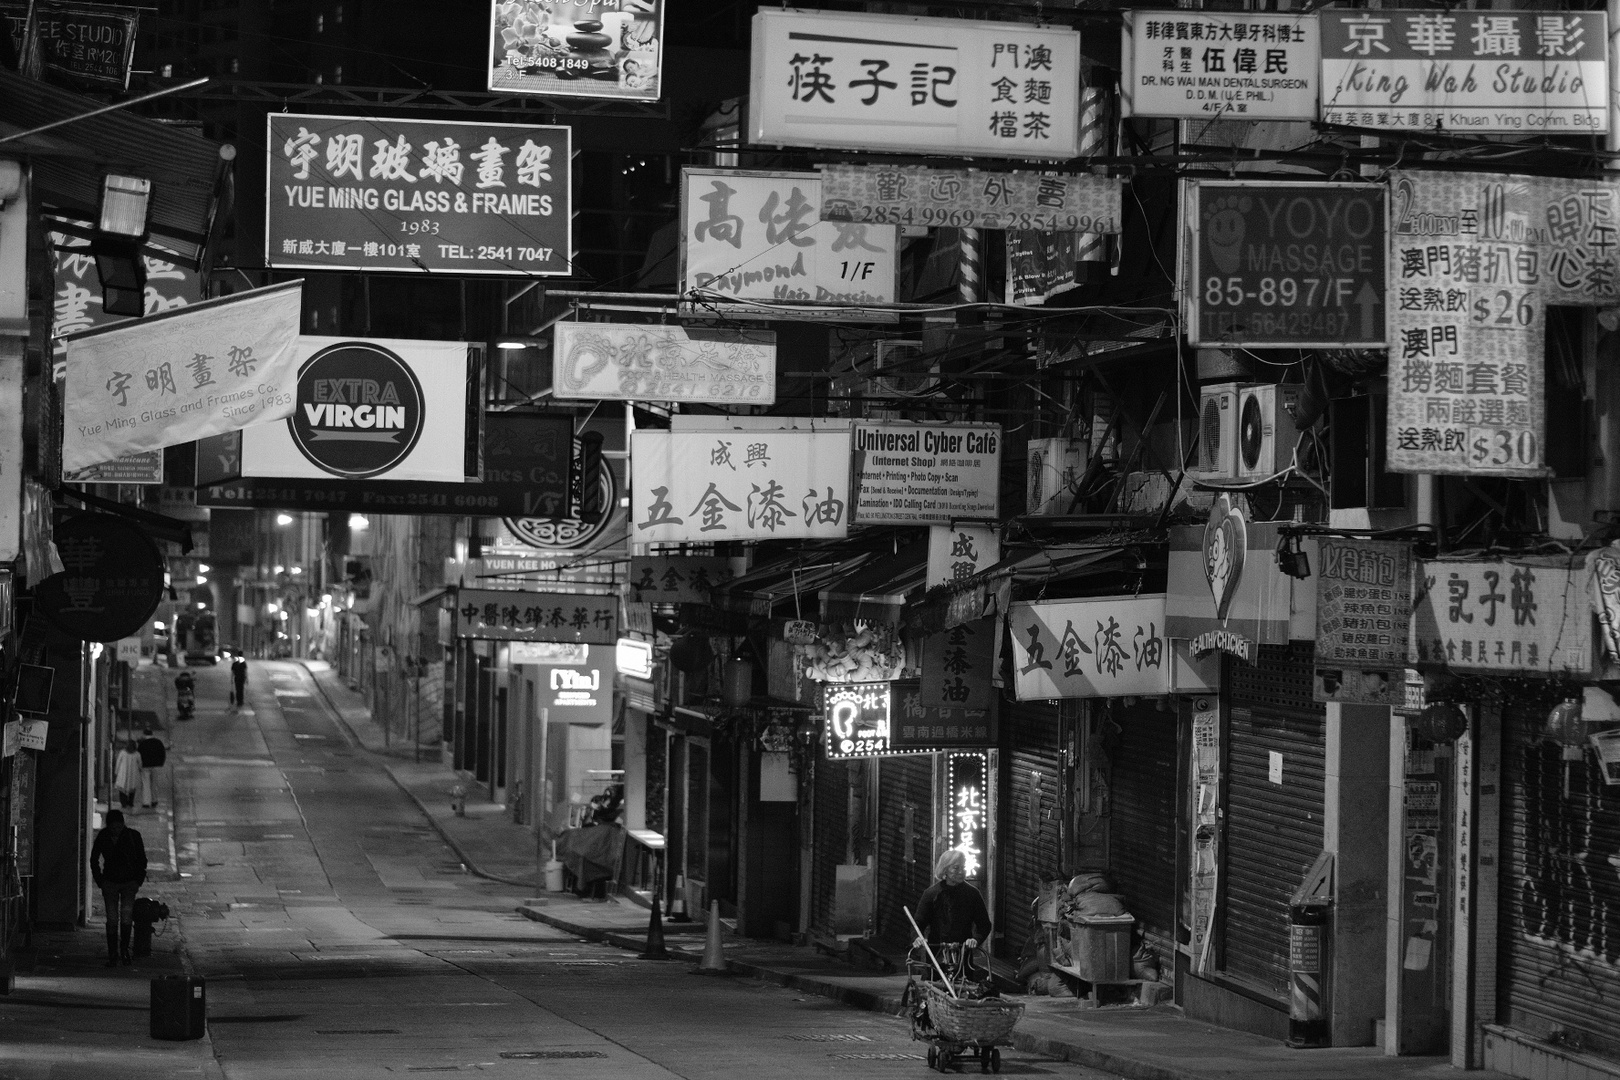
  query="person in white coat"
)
[{"x": 127, "y": 773}]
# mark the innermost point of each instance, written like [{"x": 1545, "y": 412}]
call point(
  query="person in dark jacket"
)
[
  {"x": 118, "y": 864},
  {"x": 239, "y": 680},
  {"x": 952, "y": 912},
  {"x": 153, "y": 755}
]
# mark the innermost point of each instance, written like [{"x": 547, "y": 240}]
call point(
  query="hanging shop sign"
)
[
  {"x": 634, "y": 657},
  {"x": 111, "y": 581},
  {"x": 1363, "y": 602},
  {"x": 1502, "y": 616},
  {"x": 88, "y": 46},
  {"x": 145, "y": 467},
  {"x": 678, "y": 579},
  {"x": 385, "y": 409},
  {"x": 363, "y": 193},
  {"x": 602, "y": 539},
  {"x": 752, "y": 238},
  {"x": 579, "y": 693},
  {"x": 1603, "y": 582},
  {"x": 548, "y": 653},
  {"x": 744, "y": 485},
  {"x": 180, "y": 375},
  {"x": 925, "y": 474},
  {"x": 855, "y": 720},
  {"x": 1502, "y": 72},
  {"x": 970, "y": 198},
  {"x": 1205, "y": 65},
  {"x": 927, "y": 728},
  {"x": 577, "y": 48},
  {"x": 958, "y": 552},
  {"x": 529, "y": 462},
  {"x": 1040, "y": 266},
  {"x": 76, "y": 306},
  {"x": 634, "y": 362},
  {"x": 1607, "y": 746},
  {"x": 957, "y": 667},
  {"x": 967, "y": 790},
  {"x": 885, "y": 82},
  {"x": 503, "y": 615},
  {"x": 1107, "y": 646},
  {"x": 1226, "y": 592},
  {"x": 1272, "y": 264}
]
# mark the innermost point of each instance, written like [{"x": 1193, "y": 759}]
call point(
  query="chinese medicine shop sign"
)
[
  {"x": 352, "y": 193},
  {"x": 1521, "y": 72},
  {"x": 888, "y": 82},
  {"x": 925, "y": 474},
  {"x": 1285, "y": 265},
  {"x": 1202, "y": 65}
]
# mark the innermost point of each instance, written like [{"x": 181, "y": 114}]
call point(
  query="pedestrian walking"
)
[
  {"x": 153, "y": 755},
  {"x": 127, "y": 773},
  {"x": 239, "y": 680},
  {"x": 118, "y": 865},
  {"x": 951, "y": 913}
]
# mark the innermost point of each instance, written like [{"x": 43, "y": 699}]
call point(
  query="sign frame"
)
[
  {"x": 577, "y": 85},
  {"x": 693, "y": 364},
  {"x": 1134, "y": 50},
  {"x": 863, "y": 472},
  {"x": 969, "y": 198}
]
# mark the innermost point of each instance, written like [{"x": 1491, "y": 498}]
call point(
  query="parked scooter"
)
[{"x": 185, "y": 695}]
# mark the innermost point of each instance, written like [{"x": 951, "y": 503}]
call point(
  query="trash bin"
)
[
  {"x": 179, "y": 1007},
  {"x": 1101, "y": 947}
]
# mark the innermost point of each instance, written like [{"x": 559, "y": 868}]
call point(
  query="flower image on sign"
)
[
  {"x": 970, "y": 198},
  {"x": 890, "y": 82},
  {"x": 1208, "y": 64},
  {"x": 362, "y": 193},
  {"x": 1502, "y": 616},
  {"x": 1527, "y": 72},
  {"x": 756, "y": 236},
  {"x": 925, "y": 474},
  {"x": 576, "y": 48},
  {"x": 180, "y": 376},
  {"x": 509, "y": 615},
  {"x": 1363, "y": 602},
  {"x": 663, "y": 363},
  {"x": 1108, "y": 646},
  {"x": 738, "y": 485}
]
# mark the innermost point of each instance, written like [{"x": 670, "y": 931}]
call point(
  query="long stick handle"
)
[{"x": 929, "y": 951}]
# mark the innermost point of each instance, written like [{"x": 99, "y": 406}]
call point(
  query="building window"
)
[
  {"x": 318, "y": 78},
  {"x": 236, "y": 66},
  {"x": 337, "y": 15},
  {"x": 320, "y": 23},
  {"x": 337, "y": 75},
  {"x": 168, "y": 71}
]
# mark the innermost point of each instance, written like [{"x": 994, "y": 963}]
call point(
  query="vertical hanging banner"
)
[
  {"x": 577, "y": 48},
  {"x": 967, "y": 780},
  {"x": 957, "y": 552},
  {"x": 1207, "y": 64}
]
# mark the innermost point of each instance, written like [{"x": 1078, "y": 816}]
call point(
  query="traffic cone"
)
[
  {"x": 714, "y": 957},
  {"x": 655, "y": 937}
]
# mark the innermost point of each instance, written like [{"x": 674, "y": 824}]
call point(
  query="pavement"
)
[{"x": 1141, "y": 1042}]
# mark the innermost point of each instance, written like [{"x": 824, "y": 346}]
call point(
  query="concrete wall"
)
[{"x": 1356, "y": 821}]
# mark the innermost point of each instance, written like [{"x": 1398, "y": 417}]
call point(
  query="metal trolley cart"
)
[{"x": 956, "y": 1027}]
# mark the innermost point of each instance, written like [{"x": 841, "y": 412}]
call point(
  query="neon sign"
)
[
  {"x": 857, "y": 720},
  {"x": 967, "y": 825}
]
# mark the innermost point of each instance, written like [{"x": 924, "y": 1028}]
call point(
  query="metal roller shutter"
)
[
  {"x": 903, "y": 781},
  {"x": 1560, "y": 890},
  {"x": 1142, "y": 829},
  {"x": 830, "y": 839},
  {"x": 1028, "y": 857},
  {"x": 1273, "y": 831}
]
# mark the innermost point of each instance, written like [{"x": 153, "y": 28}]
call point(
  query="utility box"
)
[
  {"x": 179, "y": 1007},
  {"x": 1100, "y": 947}
]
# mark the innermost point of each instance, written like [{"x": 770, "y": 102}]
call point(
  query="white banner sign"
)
[
  {"x": 957, "y": 552},
  {"x": 738, "y": 485},
  {"x": 757, "y": 236},
  {"x": 180, "y": 376},
  {"x": 1109, "y": 646},
  {"x": 1502, "y": 617},
  {"x": 1205, "y": 64},
  {"x": 892, "y": 82},
  {"x": 926, "y": 474},
  {"x": 31, "y": 734},
  {"x": 663, "y": 363}
]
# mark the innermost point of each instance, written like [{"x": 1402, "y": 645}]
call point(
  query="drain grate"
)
[
  {"x": 434, "y": 1068},
  {"x": 827, "y": 1036},
  {"x": 550, "y": 1055},
  {"x": 877, "y": 1057},
  {"x": 358, "y": 1031},
  {"x": 586, "y": 963}
]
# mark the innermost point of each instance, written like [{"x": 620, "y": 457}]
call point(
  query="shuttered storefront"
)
[
  {"x": 903, "y": 782},
  {"x": 1560, "y": 890},
  {"x": 830, "y": 839},
  {"x": 1029, "y": 849},
  {"x": 1142, "y": 829},
  {"x": 1273, "y": 830}
]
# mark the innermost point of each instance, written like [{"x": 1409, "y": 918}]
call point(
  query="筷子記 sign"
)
[
  {"x": 637, "y": 362},
  {"x": 970, "y": 198},
  {"x": 1238, "y": 65},
  {"x": 1363, "y": 602},
  {"x": 925, "y": 474},
  {"x": 1108, "y": 646},
  {"x": 1272, "y": 264},
  {"x": 446, "y": 196},
  {"x": 891, "y": 82},
  {"x": 576, "y": 48},
  {"x": 1518, "y": 72},
  {"x": 510, "y": 615},
  {"x": 1502, "y": 616}
]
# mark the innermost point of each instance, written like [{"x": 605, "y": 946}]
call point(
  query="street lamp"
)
[{"x": 120, "y": 231}]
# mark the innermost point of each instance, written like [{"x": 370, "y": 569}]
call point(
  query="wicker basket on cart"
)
[{"x": 971, "y": 1020}]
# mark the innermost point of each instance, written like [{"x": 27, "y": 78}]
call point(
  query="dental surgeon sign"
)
[{"x": 358, "y": 193}]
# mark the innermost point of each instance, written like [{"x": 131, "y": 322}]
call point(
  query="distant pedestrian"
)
[
  {"x": 239, "y": 680},
  {"x": 127, "y": 773},
  {"x": 153, "y": 755},
  {"x": 118, "y": 865}
]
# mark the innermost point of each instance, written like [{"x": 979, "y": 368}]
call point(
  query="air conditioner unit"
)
[
  {"x": 1217, "y": 431},
  {"x": 1266, "y": 434},
  {"x": 891, "y": 388},
  {"x": 1055, "y": 467}
]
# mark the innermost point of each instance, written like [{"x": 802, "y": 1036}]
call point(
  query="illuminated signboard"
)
[
  {"x": 966, "y": 775},
  {"x": 857, "y": 717},
  {"x": 635, "y": 658}
]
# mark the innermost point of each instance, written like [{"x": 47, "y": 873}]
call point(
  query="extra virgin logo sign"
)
[{"x": 360, "y": 410}]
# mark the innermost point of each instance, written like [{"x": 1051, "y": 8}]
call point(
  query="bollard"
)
[{"x": 458, "y": 800}]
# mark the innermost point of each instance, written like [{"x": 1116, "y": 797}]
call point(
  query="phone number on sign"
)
[
  {"x": 1289, "y": 325},
  {"x": 971, "y": 219}
]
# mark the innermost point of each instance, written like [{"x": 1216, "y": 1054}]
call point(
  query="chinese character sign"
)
[
  {"x": 678, "y": 579},
  {"x": 957, "y": 552},
  {"x": 576, "y": 48},
  {"x": 1208, "y": 65},
  {"x": 970, "y": 198},
  {"x": 968, "y": 808},
  {"x": 85, "y": 46},
  {"x": 705, "y": 487},
  {"x": 1502, "y": 616},
  {"x": 183, "y": 375},
  {"x": 925, "y": 474},
  {"x": 957, "y": 665},
  {"x": 1109, "y": 646},
  {"x": 509, "y": 615},
  {"x": 357, "y": 193},
  {"x": 1363, "y": 602},
  {"x": 77, "y": 304},
  {"x": 915, "y": 726},
  {"x": 663, "y": 363},
  {"x": 889, "y": 82},
  {"x": 856, "y": 720},
  {"x": 754, "y": 236},
  {"x": 1519, "y": 72}
]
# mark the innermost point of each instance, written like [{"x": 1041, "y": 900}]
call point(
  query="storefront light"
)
[
  {"x": 295, "y": 571},
  {"x": 203, "y": 568},
  {"x": 280, "y": 569},
  {"x": 359, "y": 521},
  {"x": 284, "y": 520}
]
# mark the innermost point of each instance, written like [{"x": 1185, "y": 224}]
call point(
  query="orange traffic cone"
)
[
  {"x": 655, "y": 949},
  {"x": 714, "y": 957}
]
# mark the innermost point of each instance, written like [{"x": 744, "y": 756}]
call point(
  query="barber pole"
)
[
  {"x": 1092, "y": 247},
  {"x": 969, "y": 266}
]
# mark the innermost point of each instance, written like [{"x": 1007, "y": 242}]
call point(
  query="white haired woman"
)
[{"x": 952, "y": 912}]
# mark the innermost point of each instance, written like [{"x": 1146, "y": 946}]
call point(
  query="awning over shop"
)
[
  {"x": 190, "y": 175},
  {"x": 989, "y": 591},
  {"x": 878, "y": 589},
  {"x": 431, "y": 596}
]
